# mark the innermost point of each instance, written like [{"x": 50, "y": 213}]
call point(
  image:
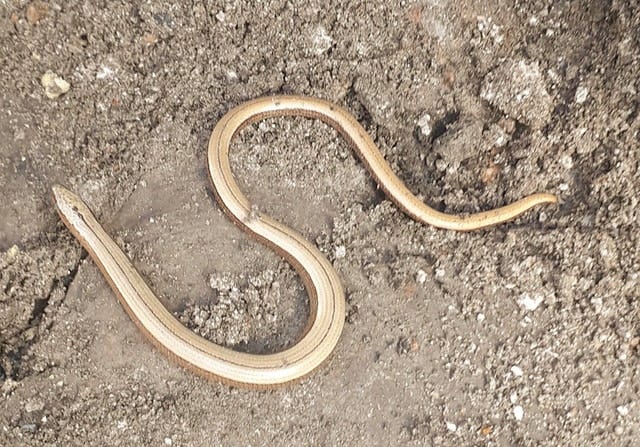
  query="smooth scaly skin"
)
[{"x": 326, "y": 317}]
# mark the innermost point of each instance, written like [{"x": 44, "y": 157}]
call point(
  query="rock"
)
[
  {"x": 622, "y": 410},
  {"x": 36, "y": 11},
  {"x": 518, "y": 412},
  {"x": 529, "y": 302},
  {"x": 425, "y": 123},
  {"x": 12, "y": 253},
  {"x": 407, "y": 344},
  {"x": 460, "y": 142},
  {"x": 54, "y": 85},
  {"x": 581, "y": 94},
  {"x": 519, "y": 90},
  {"x": 149, "y": 38},
  {"x": 321, "y": 40}
]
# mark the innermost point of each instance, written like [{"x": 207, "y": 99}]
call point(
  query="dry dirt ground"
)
[{"x": 523, "y": 334}]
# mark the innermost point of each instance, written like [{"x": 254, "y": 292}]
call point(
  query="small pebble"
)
[
  {"x": 36, "y": 11},
  {"x": 480, "y": 317},
  {"x": 168, "y": 441},
  {"x": 407, "y": 344},
  {"x": 518, "y": 412},
  {"x": 31, "y": 428},
  {"x": 490, "y": 174},
  {"x": 34, "y": 405},
  {"x": 12, "y": 253},
  {"x": 104, "y": 72},
  {"x": 516, "y": 370},
  {"x": 530, "y": 303},
  {"x": 543, "y": 216},
  {"x": 581, "y": 94},
  {"x": 341, "y": 251},
  {"x": 566, "y": 161},
  {"x": 451, "y": 426},
  {"x": 623, "y": 410},
  {"x": 231, "y": 75},
  {"x": 149, "y": 38},
  {"x": 54, "y": 85},
  {"x": 321, "y": 40},
  {"x": 8, "y": 386},
  {"x": 425, "y": 123},
  {"x": 421, "y": 276},
  {"x": 441, "y": 165}
]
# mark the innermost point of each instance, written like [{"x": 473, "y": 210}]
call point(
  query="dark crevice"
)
[
  {"x": 520, "y": 130},
  {"x": 440, "y": 127},
  {"x": 38, "y": 310},
  {"x": 357, "y": 107},
  {"x": 16, "y": 356},
  {"x": 41, "y": 305},
  {"x": 634, "y": 113}
]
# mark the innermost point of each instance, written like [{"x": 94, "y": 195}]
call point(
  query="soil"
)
[{"x": 523, "y": 334}]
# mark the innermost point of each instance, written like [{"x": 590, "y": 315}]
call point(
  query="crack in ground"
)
[
  {"x": 16, "y": 356},
  {"x": 41, "y": 305}
]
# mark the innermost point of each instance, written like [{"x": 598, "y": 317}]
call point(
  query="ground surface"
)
[{"x": 524, "y": 334}]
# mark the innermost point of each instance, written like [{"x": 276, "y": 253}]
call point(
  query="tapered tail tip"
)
[{"x": 547, "y": 198}]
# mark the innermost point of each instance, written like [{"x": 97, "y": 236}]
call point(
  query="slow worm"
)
[{"x": 326, "y": 297}]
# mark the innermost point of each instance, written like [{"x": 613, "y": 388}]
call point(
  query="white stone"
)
[
  {"x": 425, "y": 124},
  {"x": 566, "y": 161},
  {"x": 451, "y": 426},
  {"x": 341, "y": 251},
  {"x": 54, "y": 85},
  {"x": 623, "y": 410},
  {"x": 518, "y": 412},
  {"x": 516, "y": 371},
  {"x": 322, "y": 41},
  {"x": 12, "y": 253},
  {"x": 421, "y": 276},
  {"x": 104, "y": 72},
  {"x": 581, "y": 94},
  {"x": 231, "y": 75},
  {"x": 530, "y": 303}
]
